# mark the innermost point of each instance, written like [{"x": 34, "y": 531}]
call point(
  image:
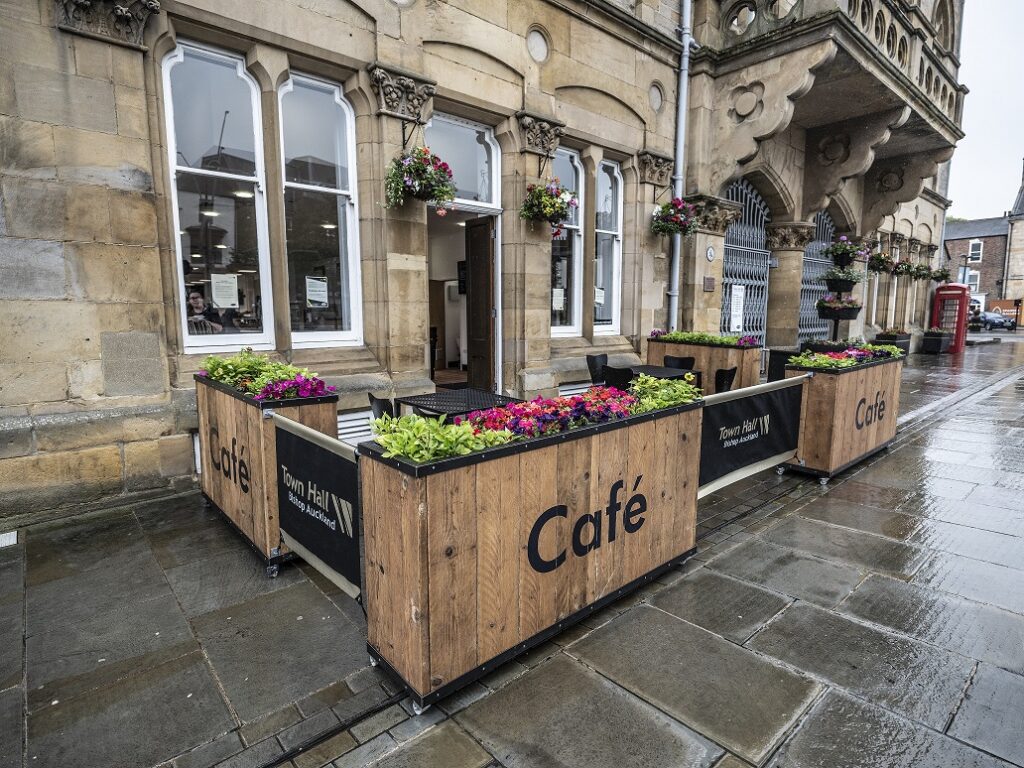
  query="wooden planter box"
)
[
  {"x": 847, "y": 415},
  {"x": 708, "y": 358},
  {"x": 473, "y": 560},
  {"x": 238, "y": 457}
]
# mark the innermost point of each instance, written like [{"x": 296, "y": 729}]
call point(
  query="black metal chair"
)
[
  {"x": 596, "y": 364},
  {"x": 686, "y": 363},
  {"x": 724, "y": 377},
  {"x": 617, "y": 377},
  {"x": 380, "y": 406}
]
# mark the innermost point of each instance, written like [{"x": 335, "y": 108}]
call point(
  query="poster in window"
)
[
  {"x": 316, "y": 293},
  {"x": 224, "y": 291},
  {"x": 558, "y": 299},
  {"x": 599, "y": 296},
  {"x": 736, "y": 315}
]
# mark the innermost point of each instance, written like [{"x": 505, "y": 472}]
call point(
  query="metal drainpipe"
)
[{"x": 679, "y": 169}]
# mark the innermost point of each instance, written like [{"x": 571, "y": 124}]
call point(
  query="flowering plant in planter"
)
[
  {"x": 880, "y": 262},
  {"x": 552, "y": 203},
  {"x": 548, "y": 416},
  {"x": 654, "y": 394},
  {"x": 676, "y": 217},
  {"x": 922, "y": 272},
  {"x": 421, "y": 439},
  {"x": 696, "y": 337},
  {"x": 421, "y": 174},
  {"x": 841, "y": 279},
  {"x": 936, "y": 331},
  {"x": 847, "y": 358},
  {"x": 903, "y": 269},
  {"x": 263, "y": 378},
  {"x": 834, "y": 301},
  {"x": 844, "y": 251},
  {"x": 942, "y": 275}
]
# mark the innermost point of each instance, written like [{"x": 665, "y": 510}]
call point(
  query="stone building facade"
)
[
  {"x": 975, "y": 251},
  {"x": 193, "y": 176}
]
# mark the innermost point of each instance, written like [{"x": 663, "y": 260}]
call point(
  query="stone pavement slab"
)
[
  {"x": 985, "y": 582},
  {"x": 975, "y": 515},
  {"x": 279, "y": 648},
  {"x": 12, "y": 615},
  {"x": 847, "y": 732},
  {"x": 992, "y": 714},
  {"x": 728, "y": 607},
  {"x": 446, "y": 746},
  {"x": 962, "y": 626},
  {"x": 139, "y": 721},
  {"x": 12, "y": 728},
  {"x": 793, "y": 573},
  {"x": 871, "y": 553},
  {"x": 188, "y": 533},
  {"x": 996, "y": 497},
  {"x": 707, "y": 686},
  {"x": 915, "y": 679},
  {"x": 860, "y": 492},
  {"x": 561, "y": 714}
]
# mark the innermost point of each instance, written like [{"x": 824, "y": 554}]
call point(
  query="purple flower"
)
[{"x": 202, "y": 372}]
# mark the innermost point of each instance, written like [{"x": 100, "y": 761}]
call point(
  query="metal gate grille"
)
[
  {"x": 747, "y": 260},
  {"x": 811, "y": 289}
]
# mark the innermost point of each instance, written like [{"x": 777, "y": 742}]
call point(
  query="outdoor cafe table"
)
[
  {"x": 659, "y": 371},
  {"x": 456, "y": 402}
]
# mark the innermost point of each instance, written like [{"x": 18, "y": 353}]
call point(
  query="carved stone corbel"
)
[
  {"x": 121, "y": 22},
  {"x": 792, "y": 236},
  {"x": 914, "y": 247},
  {"x": 845, "y": 151},
  {"x": 400, "y": 94},
  {"x": 714, "y": 214},
  {"x": 654, "y": 168},
  {"x": 896, "y": 239},
  {"x": 540, "y": 134},
  {"x": 898, "y": 180}
]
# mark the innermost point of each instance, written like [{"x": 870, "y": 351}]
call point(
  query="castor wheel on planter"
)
[
  {"x": 373, "y": 662},
  {"x": 823, "y": 481},
  {"x": 419, "y": 710},
  {"x": 780, "y": 470},
  {"x": 273, "y": 570}
]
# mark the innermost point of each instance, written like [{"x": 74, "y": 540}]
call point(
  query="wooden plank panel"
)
[
  {"x": 499, "y": 521},
  {"x": 605, "y": 563},
  {"x": 539, "y": 491},
  {"x": 573, "y": 483},
  {"x": 646, "y": 460},
  {"x": 451, "y": 553}
]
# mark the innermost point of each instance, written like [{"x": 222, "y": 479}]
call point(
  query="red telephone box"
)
[{"x": 949, "y": 312}]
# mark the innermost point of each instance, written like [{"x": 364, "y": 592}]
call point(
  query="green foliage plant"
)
[
  {"x": 250, "y": 372},
  {"x": 420, "y": 439},
  {"x": 843, "y": 273},
  {"x": 656, "y": 394}
]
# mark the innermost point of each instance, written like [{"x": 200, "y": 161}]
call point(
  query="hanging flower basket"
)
[
  {"x": 676, "y": 217},
  {"x": 552, "y": 203},
  {"x": 922, "y": 272},
  {"x": 941, "y": 275},
  {"x": 833, "y": 307},
  {"x": 421, "y": 174},
  {"x": 903, "y": 269},
  {"x": 844, "y": 251},
  {"x": 880, "y": 262},
  {"x": 841, "y": 279}
]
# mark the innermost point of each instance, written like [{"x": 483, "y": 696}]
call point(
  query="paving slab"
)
[
  {"x": 226, "y": 579},
  {"x": 189, "y": 533},
  {"x": 73, "y": 658},
  {"x": 793, "y": 573},
  {"x": 867, "y": 552},
  {"x": 69, "y": 548},
  {"x": 974, "y": 515},
  {"x": 847, "y": 732},
  {"x": 279, "y": 647},
  {"x": 990, "y": 717},
  {"x": 966, "y": 627},
  {"x": 140, "y": 721},
  {"x": 12, "y": 727},
  {"x": 985, "y": 582},
  {"x": 447, "y": 746},
  {"x": 996, "y": 497},
  {"x": 368, "y": 753},
  {"x": 12, "y": 619},
  {"x": 211, "y": 753},
  {"x": 885, "y": 497},
  {"x": 561, "y": 714},
  {"x": 915, "y": 679},
  {"x": 700, "y": 679},
  {"x": 728, "y": 607}
]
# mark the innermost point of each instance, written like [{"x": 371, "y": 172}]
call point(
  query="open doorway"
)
[{"x": 461, "y": 296}]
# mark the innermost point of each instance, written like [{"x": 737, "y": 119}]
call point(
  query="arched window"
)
[
  {"x": 608, "y": 244},
  {"x": 567, "y": 251},
  {"x": 943, "y": 23}
]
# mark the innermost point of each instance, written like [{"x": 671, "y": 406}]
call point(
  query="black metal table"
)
[
  {"x": 455, "y": 402},
  {"x": 660, "y": 371}
]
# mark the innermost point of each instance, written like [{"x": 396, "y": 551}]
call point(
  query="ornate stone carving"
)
[
  {"x": 121, "y": 22},
  {"x": 793, "y": 236},
  {"x": 898, "y": 180},
  {"x": 747, "y": 102},
  {"x": 540, "y": 134},
  {"x": 896, "y": 239},
  {"x": 914, "y": 246},
  {"x": 655, "y": 169},
  {"x": 833, "y": 150},
  {"x": 713, "y": 214},
  {"x": 400, "y": 94}
]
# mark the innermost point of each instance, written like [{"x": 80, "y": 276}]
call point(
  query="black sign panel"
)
[
  {"x": 318, "y": 503},
  {"x": 748, "y": 430}
]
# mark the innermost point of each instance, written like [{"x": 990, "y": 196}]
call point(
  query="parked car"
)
[{"x": 990, "y": 320}]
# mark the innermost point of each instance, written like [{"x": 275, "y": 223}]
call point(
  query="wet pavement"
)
[{"x": 876, "y": 622}]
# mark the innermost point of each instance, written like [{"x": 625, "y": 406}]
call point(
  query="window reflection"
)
[
  {"x": 566, "y": 250},
  {"x": 608, "y": 254},
  {"x": 465, "y": 148},
  {"x": 604, "y": 279},
  {"x": 315, "y": 131},
  {"x": 317, "y": 268}
]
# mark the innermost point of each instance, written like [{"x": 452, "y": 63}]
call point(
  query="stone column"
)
[
  {"x": 787, "y": 242},
  {"x": 591, "y": 158},
  {"x": 403, "y": 99},
  {"x": 911, "y": 286},
  {"x": 895, "y": 239},
  {"x": 651, "y": 260},
  {"x": 926, "y": 291},
  {"x": 700, "y": 289}
]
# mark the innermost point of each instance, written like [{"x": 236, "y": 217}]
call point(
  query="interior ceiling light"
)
[
  {"x": 220, "y": 245},
  {"x": 206, "y": 208},
  {"x": 329, "y": 226},
  {"x": 244, "y": 195}
]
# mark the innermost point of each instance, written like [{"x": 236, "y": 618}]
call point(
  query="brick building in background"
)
[{"x": 988, "y": 254}]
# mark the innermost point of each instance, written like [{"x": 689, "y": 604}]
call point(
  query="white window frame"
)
[
  {"x": 223, "y": 341},
  {"x": 354, "y": 336},
  {"x": 973, "y": 257},
  {"x": 475, "y": 206},
  {"x": 974, "y": 280},
  {"x": 575, "y": 328},
  {"x": 614, "y": 327}
]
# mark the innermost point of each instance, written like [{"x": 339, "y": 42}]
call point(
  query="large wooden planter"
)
[
  {"x": 708, "y": 358},
  {"x": 472, "y": 560},
  {"x": 847, "y": 414},
  {"x": 238, "y": 457}
]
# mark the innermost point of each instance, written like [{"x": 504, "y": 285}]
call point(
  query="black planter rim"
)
[
  {"x": 838, "y": 313},
  {"x": 843, "y": 259},
  {"x": 893, "y": 336},
  {"x": 840, "y": 286}
]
